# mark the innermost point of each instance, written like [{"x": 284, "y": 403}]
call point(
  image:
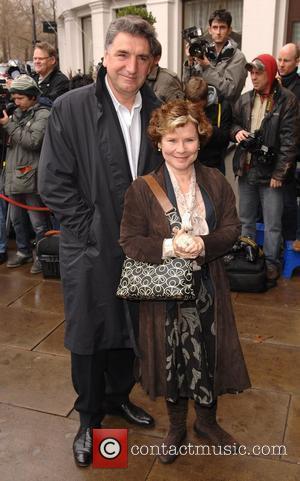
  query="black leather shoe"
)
[
  {"x": 133, "y": 414},
  {"x": 83, "y": 447}
]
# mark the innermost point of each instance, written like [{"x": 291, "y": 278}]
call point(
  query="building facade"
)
[{"x": 263, "y": 26}]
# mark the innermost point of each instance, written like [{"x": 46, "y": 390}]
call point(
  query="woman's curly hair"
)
[{"x": 177, "y": 113}]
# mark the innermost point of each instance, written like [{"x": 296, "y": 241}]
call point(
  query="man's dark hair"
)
[
  {"x": 156, "y": 49},
  {"x": 221, "y": 15},
  {"x": 133, "y": 25},
  {"x": 79, "y": 80}
]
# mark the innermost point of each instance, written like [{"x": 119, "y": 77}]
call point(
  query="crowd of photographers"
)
[
  {"x": 26, "y": 103},
  {"x": 264, "y": 123}
]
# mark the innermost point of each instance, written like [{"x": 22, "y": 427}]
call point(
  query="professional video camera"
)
[
  {"x": 5, "y": 104},
  {"x": 254, "y": 145},
  {"x": 199, "y": 45}
]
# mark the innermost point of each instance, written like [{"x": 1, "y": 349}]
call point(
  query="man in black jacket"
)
[
  {"x": 95, "y": 145},
  {"x": 265, "y": 127},
  {"x": 219, "y": 113},
  {"x": 288, "y": 61},
  {"x": 51, "y": 81}
]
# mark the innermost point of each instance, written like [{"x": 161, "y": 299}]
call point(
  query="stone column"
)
[
  {"x": 101, "y": 17},
  {"x": 73, "y": 56},
  {"x": 61, "y": 41},
  {"x": 168, "y": 25}
]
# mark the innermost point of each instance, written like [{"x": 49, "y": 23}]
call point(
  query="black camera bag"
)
[
  {"x": 246, "y": 268},
  {"x": 47, "y": 250}
]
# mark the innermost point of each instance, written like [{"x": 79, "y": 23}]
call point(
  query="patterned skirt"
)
[{"x": 190, "y": 344}]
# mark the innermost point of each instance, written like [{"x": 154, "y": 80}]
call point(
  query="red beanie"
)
[{"x": 270, "y": 65}]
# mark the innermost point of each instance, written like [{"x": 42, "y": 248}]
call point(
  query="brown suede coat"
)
[{"x": 143, "y": 229}]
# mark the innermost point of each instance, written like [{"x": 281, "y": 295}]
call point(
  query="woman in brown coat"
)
[{"x": 189, "y": 350}]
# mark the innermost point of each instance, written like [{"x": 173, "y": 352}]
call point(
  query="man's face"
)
[
  {"x": 287, "y": 61},
  {"x": 128, "y": 62},
  {"x": 260, "y": 80},
  {"x": 23, "y": 102},
  {"x": 43, "y": 63},
  {"x": 219, "y": 32}
]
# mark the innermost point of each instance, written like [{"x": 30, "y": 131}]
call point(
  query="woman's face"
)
[{"x": 180, "y": 147}]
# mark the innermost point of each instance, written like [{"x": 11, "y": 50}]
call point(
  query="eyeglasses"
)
[{"x": 40, "y": 58}]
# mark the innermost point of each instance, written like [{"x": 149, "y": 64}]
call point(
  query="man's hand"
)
[
  {"x": 204, "y": 62},
  {"x": 274, "y": 184},
  {"x": 5, "y": 118},
  {"x": 241, "y": 135}
]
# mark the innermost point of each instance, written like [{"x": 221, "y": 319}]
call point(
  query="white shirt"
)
[{"x": 130, "y": 122}]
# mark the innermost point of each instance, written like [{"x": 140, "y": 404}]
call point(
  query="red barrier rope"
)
[{"x": 24, "y": 206}]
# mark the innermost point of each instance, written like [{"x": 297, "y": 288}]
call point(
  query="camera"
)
[
  {"x": 199, "y": 45},
  {"x": 254, "y": 145},
  {"x": 5, "y": 104},
  {"x": 252, "y": 142}
]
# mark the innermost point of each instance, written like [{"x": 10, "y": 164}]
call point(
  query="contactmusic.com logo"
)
[{"x": 110, "y": 448}]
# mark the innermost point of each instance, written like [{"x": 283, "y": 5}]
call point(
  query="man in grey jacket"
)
[
  {"x": 25, "y": 129},
  {"x": 226, "y": 71},
  {"x": 96, "y": 143},
  {"x": 164, "y": 83}
]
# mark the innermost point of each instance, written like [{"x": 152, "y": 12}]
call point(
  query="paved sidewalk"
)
[{"x": 37, "y": 424}]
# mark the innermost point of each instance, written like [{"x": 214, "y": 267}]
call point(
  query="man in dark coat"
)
[
  {"x": 263, "y": 161},
  {"x": 51, "y": 81},
  {"x": 95, "y": 145},
  {"x": 287, "y": 61}
]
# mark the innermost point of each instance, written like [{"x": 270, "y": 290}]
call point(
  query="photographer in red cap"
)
[{"x": 265, "y": 128}]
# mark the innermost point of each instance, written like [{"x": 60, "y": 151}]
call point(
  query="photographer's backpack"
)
[{"x": 246, "y": 267}]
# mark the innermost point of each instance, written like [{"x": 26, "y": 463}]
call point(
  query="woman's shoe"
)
[
  {"x": 177, "y": 413},
  {"x": 206, "y": 425}
]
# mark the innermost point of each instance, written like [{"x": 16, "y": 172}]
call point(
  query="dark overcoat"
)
[
  {"x": 83, "y": 176},
  {"x": 144, "y": 227}
]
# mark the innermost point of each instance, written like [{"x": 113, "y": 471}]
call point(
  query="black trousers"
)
[
  {"x": 101, "y": 379},
  {"x": 290, "y": 208}
]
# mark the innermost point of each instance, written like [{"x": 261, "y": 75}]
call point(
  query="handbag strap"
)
[
  {"x": 162, "y": 198},
  {"x": 159, "y": 193}
]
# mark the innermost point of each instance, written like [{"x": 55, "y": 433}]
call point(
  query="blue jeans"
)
[
  {"x": 272, "y": 207},
  {"x": 39, "y": 220},
  {"x": 3, "y": 239}
]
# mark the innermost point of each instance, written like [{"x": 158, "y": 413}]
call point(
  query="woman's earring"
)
[{"x": 159, "y": 147}]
